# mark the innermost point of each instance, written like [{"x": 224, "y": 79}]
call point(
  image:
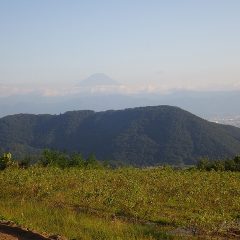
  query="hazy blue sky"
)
[{"x": 158, "y": 44}]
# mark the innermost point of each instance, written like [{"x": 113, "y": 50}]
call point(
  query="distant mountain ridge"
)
[
  {"x": 209, "y": 105},
  {"x": 143, "y": 136},
  {"x": 98, "y": 79}
]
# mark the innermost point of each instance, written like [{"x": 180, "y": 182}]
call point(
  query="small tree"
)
[
  {"x": 76, "y": 160},
  {"x": 230, "y": 165},
  {"x": 218, "y": 165},
  {"x": 25, "y": 162},
  {"x": 92, "y": 162},
  {"x": 54, "y": 158},
  {"x": 48, "y": 157},
  {"x": 6, "y": 161},
  {"x": 203, "y": 164},
  {"x": 237, "y": 163}
]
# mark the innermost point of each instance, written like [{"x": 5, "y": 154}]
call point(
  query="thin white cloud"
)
[
  {"x": 127, "y": 89},
  {"x": 8, "y": 90}
]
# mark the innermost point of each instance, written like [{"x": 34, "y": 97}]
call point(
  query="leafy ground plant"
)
[{"x": 124, "y": 203}]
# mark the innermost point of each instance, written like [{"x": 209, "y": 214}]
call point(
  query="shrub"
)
[
  {"x": 6, "y": 161},
  {"x": 220, "y": 165}
]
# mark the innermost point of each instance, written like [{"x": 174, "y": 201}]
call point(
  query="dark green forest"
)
[{"x": 145, "y": 136}]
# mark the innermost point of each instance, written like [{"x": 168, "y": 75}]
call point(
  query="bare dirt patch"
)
[{"x": 8, "y": 231}]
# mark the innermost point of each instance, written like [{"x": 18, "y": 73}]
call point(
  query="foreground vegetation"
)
[{"x": 125, "y": 203}]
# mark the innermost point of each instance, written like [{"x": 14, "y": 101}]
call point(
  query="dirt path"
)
[{"x": 11, "y": 232}]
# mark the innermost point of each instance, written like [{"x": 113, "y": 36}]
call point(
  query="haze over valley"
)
[{"x": 100, "y": 92}]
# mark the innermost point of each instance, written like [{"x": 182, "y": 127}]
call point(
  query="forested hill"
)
[{"x": 140, "y": 136}]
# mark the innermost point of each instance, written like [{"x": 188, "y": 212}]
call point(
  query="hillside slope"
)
[{"x": 140, "y": 136}]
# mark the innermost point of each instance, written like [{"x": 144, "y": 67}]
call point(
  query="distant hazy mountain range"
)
[
  {"x": 100, "y": 92},
  {"x": 143, "y": 136},
  {"x": 98, "y": 79},
  {"x": 205, "y": 104}
]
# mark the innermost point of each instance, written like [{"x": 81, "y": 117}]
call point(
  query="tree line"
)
[
  {"x": 55, "y": 159},
  {"x": 220, "y": 165}
]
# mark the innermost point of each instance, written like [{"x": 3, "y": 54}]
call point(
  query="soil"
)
[{"x": 11, "y": 232}]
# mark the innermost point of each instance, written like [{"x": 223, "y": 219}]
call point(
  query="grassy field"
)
[{"x": 125, "y": 203}]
